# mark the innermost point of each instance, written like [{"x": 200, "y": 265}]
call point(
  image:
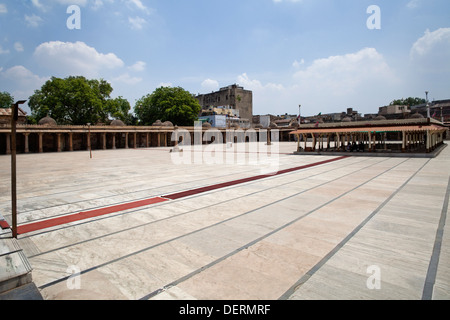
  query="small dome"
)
[
  {"x": 47, "y": 121},
  {"x": 380, "y": 118},
  {"x": 157, "y": 123},
  {"x": 117, "y": 123},
  {"x": 417, "y": 115},
  {"x": 258, "y": 126},
  {"x": 167, "y": 124},
  {"x": 347, "y": 119},
  {"x": 206, "y": 125}
]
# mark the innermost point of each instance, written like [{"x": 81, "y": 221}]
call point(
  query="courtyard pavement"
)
[{"x": 237, "y": 223}]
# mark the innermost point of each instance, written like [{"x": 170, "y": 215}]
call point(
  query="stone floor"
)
[{"x": 331, "y": 228}]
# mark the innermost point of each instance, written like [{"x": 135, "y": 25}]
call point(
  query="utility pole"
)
[{"x": 14, "y": 118}]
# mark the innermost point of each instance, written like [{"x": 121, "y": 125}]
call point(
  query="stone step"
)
[{"x": 15, "y": 270}]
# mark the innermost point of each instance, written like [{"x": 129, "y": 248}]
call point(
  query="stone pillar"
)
[
  {"x": 114, "y": 141},
  {"x": 147, "y": 140},
  {"x": 8, "y": 143},
  {"x": 159, "y": 139},
  {"x": 27, "y": 148},
  {"x": 41, "y": 147},
  {"x": 88, "y": 138},
  {"x": 58, "y": 142},
  {"x": 403, "y": 141},
  {"x": 70, "y": 141},
  {"x": 135, "y": 140},
  {"x": 104, "y": 140},
  {"x": 126, "y": 140}
]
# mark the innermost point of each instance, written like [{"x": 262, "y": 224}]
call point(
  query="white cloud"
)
[
  {"x": 100, "y": 3},
  {"x": 37, "y": 4},
  {"x": 297, "y": 64},
  {"x": 127, "y": 79},
  {"x": 361, "y": 80},
  {"x": 138, "y": 66},
  {"x": 21, "y": 82},
  {"x": 3, "y": 8},
  {"x": 3, "y": 51},
  {"x": 137, "y": 23},
  {"x": 413, "y": 4},
  {"x": 67, "y": 58},
  {"x": 432, "y": 51},
  {"x": 210, "y": 85},
  {"x": 18, "y": 46},
  {"x": 341, "y": 75},
  {"x": 139, "y": 5},
  {"x": 33, "y": 20},
  {"x": 279, "y": 1},
  {"x": 81, "y": 3}
]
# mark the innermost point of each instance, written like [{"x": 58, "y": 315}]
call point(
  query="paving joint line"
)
[
  {"x": 327, "y": 257},
  {"x": 215, "y": 224},
  {"x": 434, "y": 260}
]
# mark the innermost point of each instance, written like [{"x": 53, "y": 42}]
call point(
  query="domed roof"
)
[
  {"x": 167, "y": 124},
  {"x": 380, "y": 118},
  {"x": 347, "y": 119},
  {"x": 157, "y": 123},
  {"x": 118, "y": 123},
  {"x": 47, "y": 121},
  {"x": 417, "y": 115},
  {"x": 206, "y": 125}
]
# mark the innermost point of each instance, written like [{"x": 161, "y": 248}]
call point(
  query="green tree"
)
[
  {"x": 408, "y": 102},
  {"x": 75, "y": 101},
  {"x": 6, "y": 100},
  {"x": 119, "y": 108},
  {"x": 168, "y": 104}
]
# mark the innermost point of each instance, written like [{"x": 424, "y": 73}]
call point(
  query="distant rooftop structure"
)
[
  {"x": 232, "y": 97},
  {"x": 5, "y": 116}
]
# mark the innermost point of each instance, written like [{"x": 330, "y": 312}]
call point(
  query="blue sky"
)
[{"x": 317, "y": 53}]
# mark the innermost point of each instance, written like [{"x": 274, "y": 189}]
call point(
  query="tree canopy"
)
[
  {"x": 168, "y": 104},
  {"x": 77, "y": 101},
  {"x": 6, "y": 100},
  {"x": 408, "y": 102}
]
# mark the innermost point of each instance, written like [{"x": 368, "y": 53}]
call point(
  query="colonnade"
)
[
  {"x": 35, "y": 139},
  {"x": 424, "y": 140},
  {"x": 64, "y": 141}
]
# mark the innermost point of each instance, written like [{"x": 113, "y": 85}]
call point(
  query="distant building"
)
[
  {"x": 439, "y": 110},
  {"x": 395, "y": 112},
  {"x": 5, "y": 116},
  {"x": 232, "y": 97}
]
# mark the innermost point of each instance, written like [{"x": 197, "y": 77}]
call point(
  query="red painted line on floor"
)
[
  {"x": 36, "y": 226},
  {"x": 4, "y": 224},
  {"x": 85, "y": 215},
  {"x": 187, "y": 193}
]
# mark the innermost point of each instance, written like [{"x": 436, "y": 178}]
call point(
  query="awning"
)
[{"x": 416, "y": 128}]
